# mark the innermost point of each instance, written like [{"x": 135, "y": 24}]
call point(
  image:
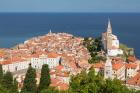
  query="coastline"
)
[{"x": 18, "y": 27}]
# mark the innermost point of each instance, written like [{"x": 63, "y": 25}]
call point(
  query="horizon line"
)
[{"x": 61, "y": 12}]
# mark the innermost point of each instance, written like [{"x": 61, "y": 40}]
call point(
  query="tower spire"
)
[{"x": 109, "y": 28}]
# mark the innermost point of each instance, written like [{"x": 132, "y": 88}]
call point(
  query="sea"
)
[{"x": 15, "y": 28}]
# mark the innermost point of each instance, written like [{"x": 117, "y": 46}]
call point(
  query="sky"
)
[{"x": 69, "y": 5}]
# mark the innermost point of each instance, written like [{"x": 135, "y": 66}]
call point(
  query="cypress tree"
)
[
  {"x": 7, "y": 81},
  {"x": 45, "y": 78},
  {"x": 3, "y": 90},
  {"x": 1, "y": 73},
  {"x": 29, "y": 81}
]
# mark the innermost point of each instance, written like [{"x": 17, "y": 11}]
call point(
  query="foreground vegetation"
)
[
  {"x": 81, "y": 83},
  {"x": 7, "y": 83},
  {"x": 91, "y": 83}
]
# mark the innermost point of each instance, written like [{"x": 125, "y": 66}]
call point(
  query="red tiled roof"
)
[
  {"x": 63, "y": 74},
  {"x": 58, "y": 84},
  {"x": 59, "y": 68},
  {"x": 52, "y": 55},
  {"x": 35, "y": 55},
  {"x": 134, "y": 80},
  {"x": 6, "y": 62},
  {"x": 99, "y": 65},
  {"x": 131, "y": 59},
  {"x": 2, "y": 54},
  {"x": 131, "y": 65},
  {"x": 117, "y": 66}
]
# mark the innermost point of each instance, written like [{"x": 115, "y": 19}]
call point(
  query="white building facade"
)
[{"x": 35, "y": 61}]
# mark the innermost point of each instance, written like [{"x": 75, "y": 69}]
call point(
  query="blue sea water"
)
[{"x": 17, "y": 27}]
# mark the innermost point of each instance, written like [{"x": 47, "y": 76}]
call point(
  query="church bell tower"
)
[
  {"x": 109, "y": 28},
  {"x": 108, "y": 69}
]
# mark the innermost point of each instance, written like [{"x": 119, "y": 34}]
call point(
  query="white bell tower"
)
[
  {"x": 108, "y": 69},
  {"x": 109, "y": 28}
]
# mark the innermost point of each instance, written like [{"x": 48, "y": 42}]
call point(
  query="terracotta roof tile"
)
[
  {"x": 134, "y": 80},
  {"x": 59, "y": 68},
  {"x": 52, "y": 55},
  {"x": 98, "y": 65},
  {"x": 132, "y": 59},
  {"x": 131, "y": 65},
  {"x": 118, "y": 66}
]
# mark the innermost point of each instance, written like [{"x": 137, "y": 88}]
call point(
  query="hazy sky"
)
[{"x": 69, "y": 5}]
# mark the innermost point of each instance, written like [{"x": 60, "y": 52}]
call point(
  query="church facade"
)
[{"x": 110, "y": 42}]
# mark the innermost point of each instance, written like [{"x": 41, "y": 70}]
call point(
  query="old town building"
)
[{"x": 110, "y": 42}]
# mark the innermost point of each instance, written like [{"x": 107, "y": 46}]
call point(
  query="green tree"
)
[
  {"x": 29, "y": 85},
  {"x": 53, "y": 90},
  {"x": 7, "y": 81},
  {"x": 49, "y": 90},
  {"x": 45, "y": 78},
  {"x": 15, "y": 86},
  {"x": 94, "y": 46},
  {"x": 115, "y": 86},
  {"x": 1, "y": 73},
  {"x": 98, "y": 43},
  {"x": 91, "y": 83},
  {"x": 3, "y": 90},
  {"x": 78, "y": 83}
]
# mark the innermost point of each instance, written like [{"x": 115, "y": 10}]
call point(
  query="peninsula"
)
[{"x": 67, "y": 56}]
